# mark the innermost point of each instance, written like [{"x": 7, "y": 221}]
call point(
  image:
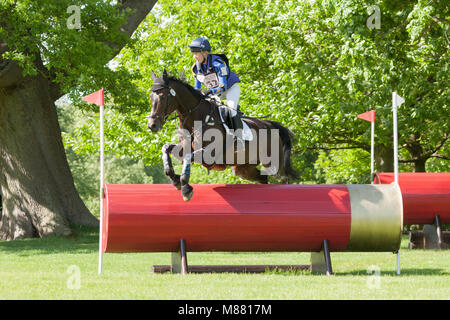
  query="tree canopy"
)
[
  {"x": 48, "y": 49},
  {"x": 312, "y": 65}
]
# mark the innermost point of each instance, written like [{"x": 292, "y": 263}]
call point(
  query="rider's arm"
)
[
  {"x": 222, "y": 73},
  {"x": 198, "y": 84}
]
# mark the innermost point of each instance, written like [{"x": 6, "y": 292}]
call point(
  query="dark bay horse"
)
[{"x": 200, "y": 118}]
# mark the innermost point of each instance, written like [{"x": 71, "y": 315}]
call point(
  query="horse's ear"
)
[
  {"x": 154, "y": 77},
  {"x": 165, "y": 75}
]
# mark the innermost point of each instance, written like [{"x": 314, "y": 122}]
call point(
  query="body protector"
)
[{"x": 215, "y": 74}]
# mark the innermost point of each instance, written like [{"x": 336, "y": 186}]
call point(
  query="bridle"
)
[{"x": 156, "y": 88}]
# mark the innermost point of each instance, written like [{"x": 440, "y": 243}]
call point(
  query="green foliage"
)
[
  {"x": 39, "y": 30},
  {"x": 314, "y": 65},
  {"x": 311, "y": 65},
  {"x": 350, "y": 166},
  {"x": 438, "y": 165}
]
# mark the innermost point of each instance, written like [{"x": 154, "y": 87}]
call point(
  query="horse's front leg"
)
[
  {"x": 186, "y": 189},
  {"x": 168, "y": 167}
]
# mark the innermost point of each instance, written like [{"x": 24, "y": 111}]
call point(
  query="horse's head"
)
[{"x": 161, "y": 102}]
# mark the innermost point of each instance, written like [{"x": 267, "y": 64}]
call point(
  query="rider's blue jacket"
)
[{"x": 215, "y": 75}]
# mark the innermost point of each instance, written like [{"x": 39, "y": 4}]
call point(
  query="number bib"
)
[{"x": 210, "y": 80}]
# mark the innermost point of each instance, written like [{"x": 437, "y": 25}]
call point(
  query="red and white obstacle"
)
[
  {"x": 426, "y": 200},
  {"x": 425, "y": 195},
  {"x": 324, "y": 218},
  {"x": 249, "y": 218},
  {"x": 311, "y": 218}
]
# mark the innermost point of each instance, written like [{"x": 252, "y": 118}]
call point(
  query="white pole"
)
[
  {"x": 102, "y": 172},
  {"x": 394, "y": 116},
  {"x": 372, "y": 151},
  {"x": 394, "y": 111}
]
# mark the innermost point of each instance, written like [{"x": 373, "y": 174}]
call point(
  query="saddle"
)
[{"x": 225, "y": 118}]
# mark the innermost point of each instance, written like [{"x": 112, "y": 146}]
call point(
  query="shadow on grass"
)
[
  {"x": 404, "y": 272},
  {"x": 83, "y": 240}
]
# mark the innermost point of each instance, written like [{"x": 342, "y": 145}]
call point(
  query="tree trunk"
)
[
  {"x": 419, "y": 165},
  {"x": 384, "y": 158},
  {"x": 37, "y": 192},
  {"x": 417, "y": 153},
  {"x": 37, "y": 189}
]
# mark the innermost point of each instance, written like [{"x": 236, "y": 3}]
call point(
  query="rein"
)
[
  {"x": 205, "y": 123},
  {"x": 189, "y": 112},
  {"x": 166, "y": 108}
]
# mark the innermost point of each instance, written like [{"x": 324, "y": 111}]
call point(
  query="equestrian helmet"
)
[{"x": 200, "y": 44}]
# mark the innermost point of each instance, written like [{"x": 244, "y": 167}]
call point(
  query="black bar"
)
[
  {"x": 179, "y": 260},
  {"x": 326, "y": 252},
  {"x": 232, "y": 268},
  {"x": 184, "y": 264}
]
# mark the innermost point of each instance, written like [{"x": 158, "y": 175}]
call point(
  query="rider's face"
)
[{"x": 200, "y": 57}]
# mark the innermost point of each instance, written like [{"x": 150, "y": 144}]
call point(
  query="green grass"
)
[{"x": 41, "y": 269}]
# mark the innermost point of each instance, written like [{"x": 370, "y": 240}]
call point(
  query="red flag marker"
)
[
  {"x": 368, "y": 116},
  {"x": 97, "y": 97}
]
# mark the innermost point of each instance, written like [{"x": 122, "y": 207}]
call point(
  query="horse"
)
[{"x": 196, "y": 113}]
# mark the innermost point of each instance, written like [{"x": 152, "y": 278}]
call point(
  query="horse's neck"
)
[{"x": 187, "y": 104}]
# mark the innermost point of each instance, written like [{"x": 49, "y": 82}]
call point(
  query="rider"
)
[{"x": 213, "y": 71}]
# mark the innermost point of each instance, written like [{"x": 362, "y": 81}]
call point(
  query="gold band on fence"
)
[{"x": 377, "y": 218}]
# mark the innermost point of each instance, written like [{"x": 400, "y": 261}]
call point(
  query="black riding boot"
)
[{"x": 237, "y": 125}]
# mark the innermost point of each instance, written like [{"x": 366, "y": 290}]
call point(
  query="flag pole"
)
[
  {"x": 98, "y": 98},
  {"x": 370, "y": 116},
  {"x": 396, "y": 101},
  {"x": 394, "y": 116},
  {"x": 102, "y": 176},
  {"x": 372, "y": 151}
]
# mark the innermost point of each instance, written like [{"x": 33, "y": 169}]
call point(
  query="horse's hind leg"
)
[
  {"x": 168, "y": 167},
  {"x": 250, "y": 172}
]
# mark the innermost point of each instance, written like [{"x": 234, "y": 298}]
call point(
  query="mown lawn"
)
[{"x": 66, "y": 268}]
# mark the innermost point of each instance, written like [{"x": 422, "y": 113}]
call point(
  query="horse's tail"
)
[{"x": 286, "y": 136}]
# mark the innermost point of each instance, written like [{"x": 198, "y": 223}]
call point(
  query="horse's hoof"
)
[
  {"x": 177, "y": 185},
  {"x": 188, "y": 196},
  {"x": 187, "y": 192}
]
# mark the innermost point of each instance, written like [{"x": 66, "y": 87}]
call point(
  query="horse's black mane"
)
[{"x": 195, "y": 92}]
